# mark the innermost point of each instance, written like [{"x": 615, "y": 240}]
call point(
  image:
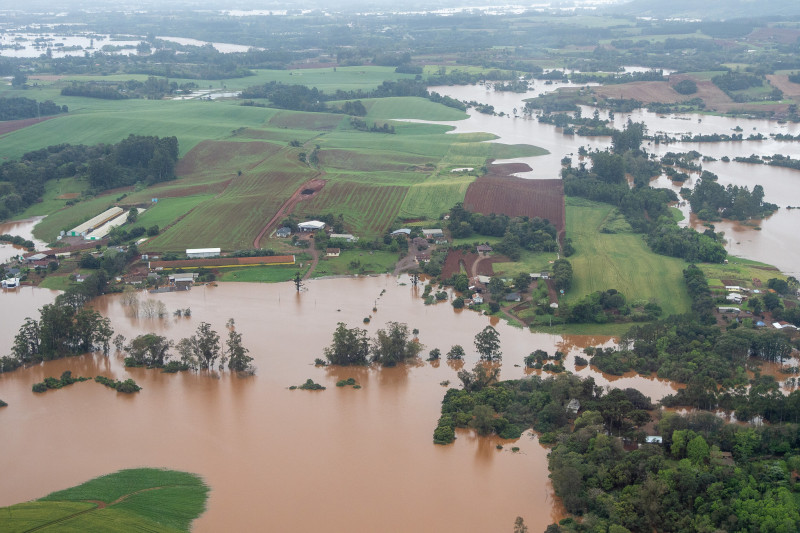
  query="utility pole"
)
[{"x": 298, "y": 281}]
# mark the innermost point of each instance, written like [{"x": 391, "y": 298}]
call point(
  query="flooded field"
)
[
  {"x": 21, "y": 228},
  {"x": 334, "y": 460},
  {"x": 775, "y": 242}
]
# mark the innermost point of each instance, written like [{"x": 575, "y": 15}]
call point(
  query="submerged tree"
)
[
  {"x": 487, "y": 342},
  {"x": 238, "y": 360},
  {"x": 149, "y": 350},
  {"x": 393, "y": 345},
  {"x": 202, "y": 349},
  {"x": 350, "y": 346}
]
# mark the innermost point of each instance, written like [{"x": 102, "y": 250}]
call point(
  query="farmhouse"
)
[
  {"x": 513, "y": 297},
  {"x": 283, "y": 232},
  {"x": 423, "y": 257},
  {"x": 484, "y": 248},
  {"x": 734, "y": 297},
  {"x": 311, "y": 225},
  {"x": 183, "y": 281},
  {"x": 344, "y": 236},
  {"x": 202, "y": 253},
  {"x": 477, "y": 299},
  {"x": 433, "y": 233},
  {"x": 332, "y": 252}
]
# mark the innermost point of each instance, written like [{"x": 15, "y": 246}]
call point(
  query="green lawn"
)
[
  {"x": 620, "y": 261},
  {"x": 238, "y": 166},
  {"x": 376, "y": 262},
  {"x": 263, "y": 274},
  {"x": 143, "y": 499},
  {"x": 740, "y": 271}
]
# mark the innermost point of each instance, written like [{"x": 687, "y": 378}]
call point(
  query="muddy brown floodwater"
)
[{"x": 281, "y": 460}]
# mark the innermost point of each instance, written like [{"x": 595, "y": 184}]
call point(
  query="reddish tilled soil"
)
[
  {"x": 499, "y": 193},
  {"x": 288, "y": 206},
  {"x": 68, "y": 196},
  {"x": 13, "y": 125}
]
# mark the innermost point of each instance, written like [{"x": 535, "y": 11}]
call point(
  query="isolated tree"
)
[
  {"x": 238, "y": 360},
  {"x": 482, "y": 375},
  {"x": 202, "y": 349},
  {"x": 487, "y": 342},
  {"x": 456, "y": 352},
  {"x": 149, "y": 350},
  {"x": 349, "y": 346},
  {"x": 394, "y": 345},
  {"x": 133, "y": 215}
]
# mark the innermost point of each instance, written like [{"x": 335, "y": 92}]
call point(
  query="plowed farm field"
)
[
  {"x": 368, "y": 210},
  {"x": 507, "y": 195}
]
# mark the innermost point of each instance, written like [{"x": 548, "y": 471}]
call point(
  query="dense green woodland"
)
[
  {"x": 19, "y": 107},
  {"x": 135, "y": 159}
]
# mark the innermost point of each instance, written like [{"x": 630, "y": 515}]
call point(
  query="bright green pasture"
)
[
  {"x": 50, "y": 201},
  {"x": 167, "y": 210},
  {"x": 620, "y": 261},
  {"x": 143, "y": 499},
  {"x": 264, "y": 274},
  {"x": 410, "y": 108},
  {"x": 106, "y": 121},
  {"x": 370, "y": 263},
  {"x": 740, "y": 271}
]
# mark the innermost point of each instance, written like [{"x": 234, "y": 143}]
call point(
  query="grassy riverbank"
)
[{"x": 142, "y": 499}]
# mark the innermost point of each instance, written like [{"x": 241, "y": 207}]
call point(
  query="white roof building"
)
[
  {"x": 436, "y": 232},
  {"x": 403, "y": 231},
  {"x": 200, "y": 253},
  {"x": 311, "y": 225},
  {"x": 344, "y": 236}
]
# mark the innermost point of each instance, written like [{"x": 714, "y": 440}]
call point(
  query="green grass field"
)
[
  {"x": 740, "y": 271},
  {"x": 620, "y": 261},
  {"x": 369, "y": 263},
  {"x": 143, "y": 499},
  {"x": 238, "y": 167},
  {"x": 263, "y": 274}
]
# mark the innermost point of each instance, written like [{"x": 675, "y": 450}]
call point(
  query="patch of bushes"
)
[
  {"x": 174, "y": 366},
  {"x": 128, "y": 386},
  {"x": 349, "y": 382},
  {"x": 308, "y": 385},
  {"x": 53, "y": 383}
]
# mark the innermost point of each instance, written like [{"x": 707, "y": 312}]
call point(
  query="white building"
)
[
  {"x": 344, "y": 236},
  {"x": 202, "y": 253},
  {"x": 311, "y": 225}
]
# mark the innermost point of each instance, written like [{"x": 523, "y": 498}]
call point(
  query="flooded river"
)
[
  {"x": 776, "y": 242},
  {"x": 334, "y": 460},
  {"x": 20, "y": 228}
]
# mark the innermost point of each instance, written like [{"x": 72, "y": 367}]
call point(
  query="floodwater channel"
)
[
  {"x": 774, "y": 240},
  {"x": 20, "y": 228},
  {"x": 335, "y": 460}
]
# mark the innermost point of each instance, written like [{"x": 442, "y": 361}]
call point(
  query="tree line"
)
[
  {"x": 303, "y": 98},
  {"x": 19, "y": 107},
  {"x": 135, "y": 159}
]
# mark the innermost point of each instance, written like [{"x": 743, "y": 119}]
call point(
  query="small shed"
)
[
  {"x": 513, "y": 297},
  {"x": 283, "y": 232},
  {"x": 654, "y": 439},
  {"x": 401, "y": 231},
  {"x": 332, "y": 252},
  {"x": 574, "y": 406},
  {"x": 484, "y": 248}
]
